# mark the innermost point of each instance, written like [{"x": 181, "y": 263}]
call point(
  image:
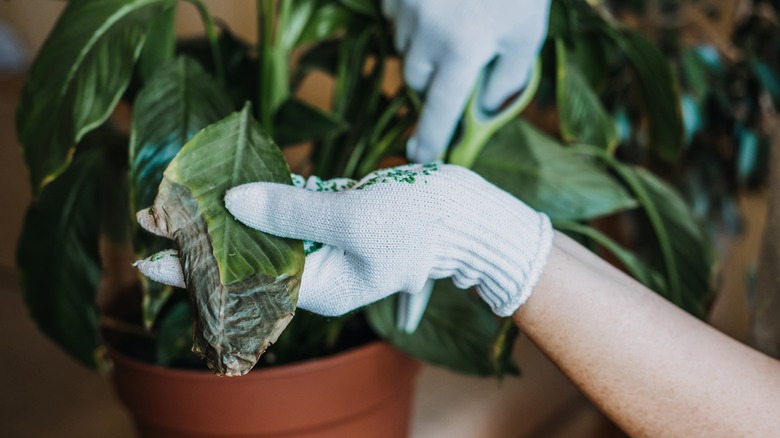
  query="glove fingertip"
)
[
  {"x": 240, "y": 202},
  {"x": 147, "y": 221},
  {"x": 499, "y": 90},
  {"x": 163, "y": 267}
]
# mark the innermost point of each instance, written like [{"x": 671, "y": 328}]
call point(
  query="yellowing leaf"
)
[{"x": 243, "y": 284}]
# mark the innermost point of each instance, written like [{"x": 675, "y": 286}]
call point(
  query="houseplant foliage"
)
[
  {"x": 83, "y": 170},
  {"x": 725, "y": 56}
]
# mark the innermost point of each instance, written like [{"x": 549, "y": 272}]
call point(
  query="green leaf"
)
[
  {"x": 58, "y": 259},
  {"x": 77, "y": 78},
  {"x": 243, "y": 283},
  {"x": 549, "y": 177},
  {"x": 688, "y": 254},
  {"x": 582, "y": 117},
  {"x": 326, "y": 20},
  {"x": 174, "y": 334},
  {"x": 160, "y": 42},
  {"x": 297, "y": 121},
  {"x": 592, "y": 52},
  {"x": 294, "y": 15},
  {"x": 688, "y": 257},
  {"x": 457, "y": 330},
  {"x": 558, "y": 25},
  {"x": 366, "y": 7},
  {"x": 179, "y": 100},
  {"x": 238, "y": 63},
  {"x": 659, "y": 89}
]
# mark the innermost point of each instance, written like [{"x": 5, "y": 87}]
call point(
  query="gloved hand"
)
[
  {"x": 394, "y": 230},
  {"x": 447, "y": 43}
]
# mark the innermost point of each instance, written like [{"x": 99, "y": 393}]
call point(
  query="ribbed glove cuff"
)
[{"x": 501, "y": 249}]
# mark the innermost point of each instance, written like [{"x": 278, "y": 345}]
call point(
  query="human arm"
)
[{"x": 652, "y": 368}]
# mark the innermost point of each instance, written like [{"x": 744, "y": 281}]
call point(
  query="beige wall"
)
[{"x": 33, "y": 19}]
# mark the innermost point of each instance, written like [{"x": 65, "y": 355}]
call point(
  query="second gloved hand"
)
[
  {"x": 394, "y": 230},
  {"x": 447, "y": 44}
]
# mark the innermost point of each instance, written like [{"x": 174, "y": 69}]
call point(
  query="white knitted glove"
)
[
  {"x": 447, "y": 43},
  {"x": 394, "y": 230}
]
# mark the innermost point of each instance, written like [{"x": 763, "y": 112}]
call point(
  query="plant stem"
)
[
  {"x": 273, "y": 86},
  {"x": 211, "y": 34},
  {"x": 479, "y": 127},
  {"x": 265, "y": 37}
]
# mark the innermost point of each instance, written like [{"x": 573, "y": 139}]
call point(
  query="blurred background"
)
[{"x": 47, "y": 394}]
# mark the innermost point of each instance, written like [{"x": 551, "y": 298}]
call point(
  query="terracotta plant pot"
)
[{"x": 363, "y": 392}]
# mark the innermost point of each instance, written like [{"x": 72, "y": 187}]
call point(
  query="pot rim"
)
[{"x": 282, "y": 371}]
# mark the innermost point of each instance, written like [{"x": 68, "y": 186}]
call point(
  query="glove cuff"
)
[
  {"x": 535, "y": 269},
  {"x": 501, "y": 247}
]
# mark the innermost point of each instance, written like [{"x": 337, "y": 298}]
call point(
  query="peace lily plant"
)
[{"x": 89, "y": 177}]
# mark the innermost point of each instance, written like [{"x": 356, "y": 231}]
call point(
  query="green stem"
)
[
  {"x": 211, "y": 34},
  {"x": 478, "y": 127},
  {"x": 502, "y": 346},
  {"x": 384, "y": 145},
  {"x": 273, "y": 86},
  {"x": 372, "y": 130},
  {"x": 265, "y": 24}
]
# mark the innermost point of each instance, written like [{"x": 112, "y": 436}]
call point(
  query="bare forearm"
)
[{"x": 655, "y": 370}]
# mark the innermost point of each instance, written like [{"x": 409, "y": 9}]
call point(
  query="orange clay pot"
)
[{"x": 364, "y": 392}]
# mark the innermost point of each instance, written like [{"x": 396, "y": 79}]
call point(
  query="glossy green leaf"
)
[
  {"x": 77, "y": 78},
  {"x": 326, "y": 20},
  {"x": 179, "y": 100},
  {"x": 457, "y": 330},
  {"x": 659, "y": 89},
  {"x": 297, "y": 121},
  {"x": 58, "y": 259},
  {"x": 293, "y": 16},
  {"x": 548, "y": 176},
  {"x": 594, "y": 55},
  {"x": 687, "y": 255},
  {"x": 583, "y": 118},
  {"x": 695, "y": 74},
  {"x": 238, "y": 62},
  {"x": 243, "y": 283},
  {"x": 160, "y": 42}
]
